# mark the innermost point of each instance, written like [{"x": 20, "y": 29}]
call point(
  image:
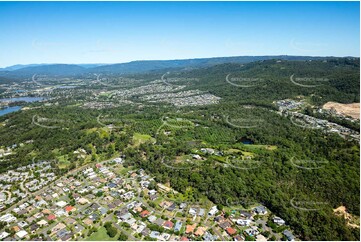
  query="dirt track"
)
[{"x": 352, "y": 109}]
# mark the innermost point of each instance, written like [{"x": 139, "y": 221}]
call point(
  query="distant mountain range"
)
[
  {"x": 134, "y": 67},
  {"x": 17, "y": 67}
]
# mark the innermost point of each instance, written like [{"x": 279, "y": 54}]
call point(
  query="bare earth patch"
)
[
  {"x": 352, "y": 220},
  {"x": 351, "y": 109}
]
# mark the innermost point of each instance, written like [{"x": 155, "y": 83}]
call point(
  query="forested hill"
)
[
  {"x": 144, "y": 66},
  {"x": 140, "y": 66},
  {"x": 264, "y": 81}
]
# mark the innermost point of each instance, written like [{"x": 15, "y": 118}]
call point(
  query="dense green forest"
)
[{"x": 270, "y": 80}]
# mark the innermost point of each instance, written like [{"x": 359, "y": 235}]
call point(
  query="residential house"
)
[
  {"x": 42, "y": 223},
  {"x": 193, "y": 211},
  {"x": 21, "y": 234},
  {"x": 201, "y": 212},
  {"x": 224, "y": 225},
  {"x": 246, "y": 215},
  {"x": 289, "y": 235},
  {"x": 200, "y": 231},
  {"x": 209, "y": 237},
  {"x": 33, "y": 228},
  {"x": 8, "y": 218},
  {"x": 70, "y": 221},
  {"x": 178, "y": 226},
  {"x": 183, "y": 205},
  {"x": 260, "y": 237},
  {"x": 3, "y": 235},
  {"x": 213, "y": 211},
  {"x": 144, "y": 213},
  {"x": 57, "y": 228},
  {"x": 159, "y": 222},
  {"x": 190, "y": 228},
  {"x": 51, "y": 217},
  {"x": 153, "y": 197},
  {"x": 23, "y": 224},
  {"x": 253, "y": 231},
  {"x": 261, "y": 210},
  {"x": 78, "y": 228},
  {"x": 154, "y": 234},
  {"x": 231, "y": 231},
  {"x": 88, "y": 221},
  {"x": 164, "y": 237},
  {"x": 243, "y": 222},
  {"x": 152, "y": 218},
  {"x": 168, "y": 224},
  {"x": 145, "y": 232},
  {"x": 279, "y": 221},
  {"x": 238, "y": 237},
  {"x": 171, "y": 207}
]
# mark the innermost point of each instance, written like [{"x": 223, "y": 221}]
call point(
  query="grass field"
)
[
  {"x": 63, "y": 162},
  {"x": 267, "y": 147},
  {"x": 141, "y": 138},
  {"x": 100, "y": 235}
]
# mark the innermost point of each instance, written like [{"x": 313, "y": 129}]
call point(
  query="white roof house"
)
[
  {"x": 61, "y": 204},
  {"x": 193, "y": 211},
  {"x": 278, "y": 221},
  {"x": 213, "y": 211},
  {"x": 4, "y": 234},
  {"x": 21, "y": 234},
  {"x": 7, "y": 218}
]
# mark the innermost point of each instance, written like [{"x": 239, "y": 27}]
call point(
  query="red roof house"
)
[
  {"x": 69, "y": 208},
  {"x": 168, "y": 224},
  {"x": 144, "y": 213},
  {"x": 51, "y": 217},
  {"x": 231, "y": 231}
]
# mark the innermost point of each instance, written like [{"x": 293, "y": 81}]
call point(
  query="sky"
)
[{"x": 116, "y": 32}]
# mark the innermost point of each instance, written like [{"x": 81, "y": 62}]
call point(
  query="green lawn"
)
[
  {"x": 141, "y": 138},
  {"x": 100, "y": 235},
  {"x": 267, "y": 147},
  {"x": 63, "y": 161}
]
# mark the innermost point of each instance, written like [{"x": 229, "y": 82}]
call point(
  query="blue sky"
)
[{"x": 114, "y": 32}]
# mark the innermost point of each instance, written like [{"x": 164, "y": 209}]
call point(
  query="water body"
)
[
  {"x": 246, "y": 141},
  {"x": 66, "y": 87},
  {"x": 9, "y": 110},
  {"x": 17, "y": 99},
  {"x": 22, "y": 99}
]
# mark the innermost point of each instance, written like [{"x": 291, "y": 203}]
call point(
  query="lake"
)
[
  {"x": 22, "y": 99},
  {"x": 9, "y": 110},
  {"x": 246, "y": 141},
  {"x": 66, "y": 87},
  {"x": 17, "y": 99}
]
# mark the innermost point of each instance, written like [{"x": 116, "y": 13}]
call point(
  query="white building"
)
[
  {"x": 21, "y": 234},
  {"x": 8, "y": 218},
  {"x": 213, "y": 211}
]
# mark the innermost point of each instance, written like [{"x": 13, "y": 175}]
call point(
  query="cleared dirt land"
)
[
  {"x": 352, "y": 220},
  {"x": 352, "y": 109}
]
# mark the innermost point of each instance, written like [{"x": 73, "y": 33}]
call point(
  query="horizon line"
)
[{"x": 195, "y": 58}]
